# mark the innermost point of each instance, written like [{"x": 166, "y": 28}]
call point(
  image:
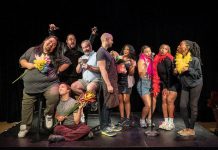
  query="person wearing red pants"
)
[{"x": 70, "y": 127}]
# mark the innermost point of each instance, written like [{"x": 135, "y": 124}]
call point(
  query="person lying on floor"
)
[{"x": 69, "y": 128}]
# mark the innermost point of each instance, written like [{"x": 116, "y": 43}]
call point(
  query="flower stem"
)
[{"x": 23, "y": 74}]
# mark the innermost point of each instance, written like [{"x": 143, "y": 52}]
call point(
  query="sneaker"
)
[
  {"x": 91, "y": 135},
  {"x": 55, "y": 138},
  {"x": 191, "y": 132},
  {"x": 170, "y": 126},
  {"x": 82, "y": 119},
  {"x": 184, "y": 132},
  {"x": 48, "y": 122},
  {"x": 108, "y": 132},
  {"x": 143, "y": 124},
  {"x": 127, "y": 122},
  {"x": 94, "y": 106},
  {"x": 149, "y": 123},
  {"x": 163, "y": 125},
  {"x": 122, "y": 120},
  {"x": 180, "y": 131},
  {"x": 23, "y": 131},
  {"x": 115, "y": 128}
]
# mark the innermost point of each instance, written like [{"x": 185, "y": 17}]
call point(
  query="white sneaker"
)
[
  {"x": 115, "y": 128},
  {"x": 143, "y": 123},
  {"x": 149, "y": 123},
  {"x": 170, "y": 126},
  {"x": 48, "y": 121},
  {"x": 82, "y": 119},
  {"x": 163, "y": 125},
  {"x": 23, "y": 131}
]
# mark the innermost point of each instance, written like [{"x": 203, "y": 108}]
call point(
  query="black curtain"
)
[{"x": 133, "y": 22}]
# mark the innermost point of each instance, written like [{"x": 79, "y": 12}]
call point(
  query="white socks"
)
[
  {"x": 166, "y": 120},
  {"x": 170, "y": 120}
]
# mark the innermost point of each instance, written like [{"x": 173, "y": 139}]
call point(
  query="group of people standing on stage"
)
[
  {"x": 170, "y": 74},
  {"x": 81, "y": 69}
]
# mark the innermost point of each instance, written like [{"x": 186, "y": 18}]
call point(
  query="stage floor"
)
[{"x": 129, "y": 138}]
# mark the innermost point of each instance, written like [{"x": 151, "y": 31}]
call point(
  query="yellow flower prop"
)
[
  {"x": 182, "y": 62},
  {"x": 41, "y": 63},
  {"x": 87, "y": 97}
]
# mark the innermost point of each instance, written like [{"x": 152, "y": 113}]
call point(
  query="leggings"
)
[{"x": 189, "y": 98}]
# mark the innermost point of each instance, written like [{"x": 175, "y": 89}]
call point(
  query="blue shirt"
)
[{"x": 88, "y": 75}]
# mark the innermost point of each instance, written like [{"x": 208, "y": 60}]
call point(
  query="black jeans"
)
[
  {"x": 190, "y": 96},
  {"x": 105, "y": 117}
]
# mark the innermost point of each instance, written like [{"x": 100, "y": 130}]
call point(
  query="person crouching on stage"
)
[
  {"x": 163, "y": 75},
  {"x": 188, "y": 67}
]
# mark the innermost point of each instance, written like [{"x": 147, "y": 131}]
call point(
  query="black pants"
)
[
  {"x": 189, "y": 98},
  {"x": 105, "y": 117}
]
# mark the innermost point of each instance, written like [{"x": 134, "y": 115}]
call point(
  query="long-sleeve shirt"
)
[
  {"x": 193, "y": 76},
  {"x": 165, "y": 72}
]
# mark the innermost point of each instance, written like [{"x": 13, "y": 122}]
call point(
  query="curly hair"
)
[{"x": 131, "y": 51}]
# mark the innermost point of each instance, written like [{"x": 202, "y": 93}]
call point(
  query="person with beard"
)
[
  {"x": 41, "y": 82},
  {"x": 87, "y": 65},
  {"x": 71, "y": 50}
]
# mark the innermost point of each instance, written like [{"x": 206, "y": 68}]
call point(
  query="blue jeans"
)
[{"x": 105, "y": 117}]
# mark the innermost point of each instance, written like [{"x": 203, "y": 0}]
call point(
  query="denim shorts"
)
[
  {"x": 123, "y": 89},
  {"x": 144, "y": 86}
]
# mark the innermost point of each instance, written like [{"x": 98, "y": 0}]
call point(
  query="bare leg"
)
[
  {"x": 126, "y": 98},
  {"x": 77, "y": 88},
  {"x": 147, "y": 105},
  {"x": 164, "y": 105},
  {"x": 170, "y": 103},
  {"x": 121, "y": 106},
  {"x": 93, "y": 86}
]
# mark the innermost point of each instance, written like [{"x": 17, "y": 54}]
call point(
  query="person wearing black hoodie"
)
[{"x": 188, "y": 67}]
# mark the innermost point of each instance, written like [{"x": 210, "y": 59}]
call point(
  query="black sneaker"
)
[
  {"x": 89, "y": 136},
  {"x": 122, "y": 120},
  {"x": 127, "y": 122},
  {"x": 55, "y": 138},
  {"x": 115, "y": 128}
]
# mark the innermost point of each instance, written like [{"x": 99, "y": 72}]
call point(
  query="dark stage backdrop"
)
[{"x": 24, "y": 24}]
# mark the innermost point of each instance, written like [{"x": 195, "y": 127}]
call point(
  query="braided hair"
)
[{"x": 194, "y": 49}]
